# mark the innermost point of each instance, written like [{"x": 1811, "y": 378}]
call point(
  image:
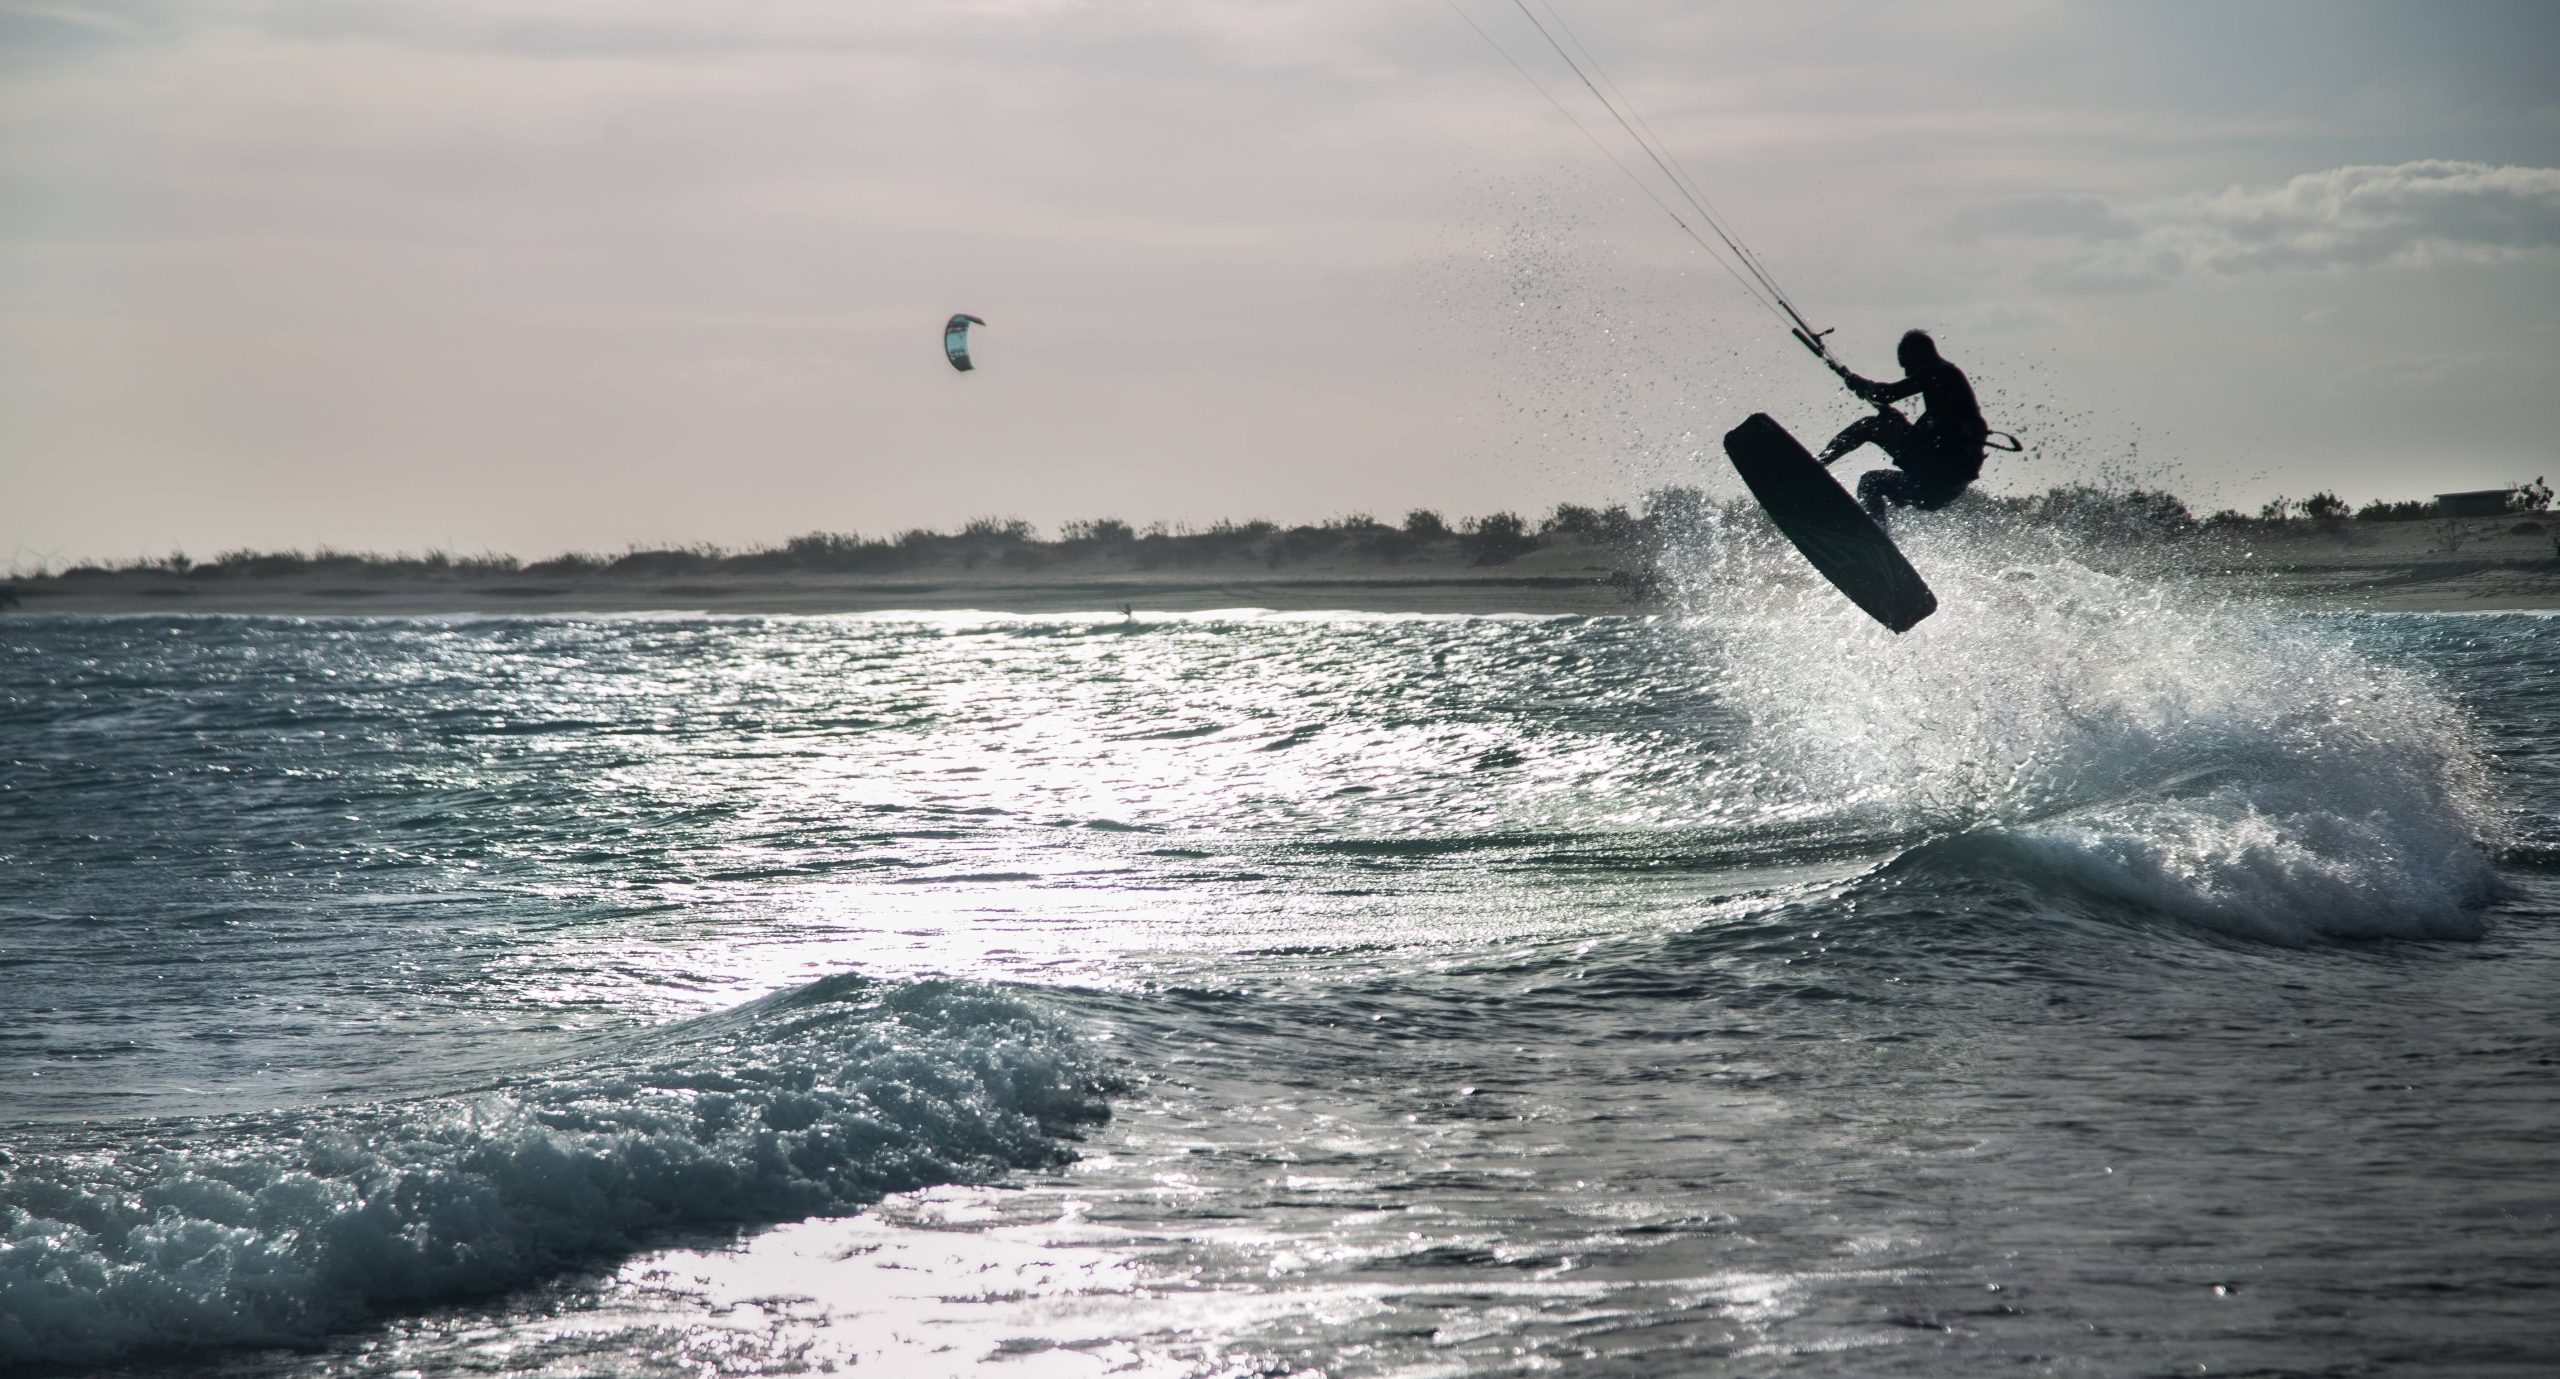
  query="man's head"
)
[{"x": 1915, "y": 350}]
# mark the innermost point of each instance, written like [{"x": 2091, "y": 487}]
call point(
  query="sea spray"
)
[
  {"x": 2106, "y": 715},
  {"x": 260, "y": 1230}
]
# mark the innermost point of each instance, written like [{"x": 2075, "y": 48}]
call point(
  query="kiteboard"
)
[{"x": 1825, "y": 523}]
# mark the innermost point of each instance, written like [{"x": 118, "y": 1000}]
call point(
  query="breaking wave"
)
[
  {"x": 244, "y": 1231},
  {"x": 2111, "y": 720}
]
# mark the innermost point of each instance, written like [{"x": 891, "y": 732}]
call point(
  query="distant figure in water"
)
[{"x": 1936, "y": 457}]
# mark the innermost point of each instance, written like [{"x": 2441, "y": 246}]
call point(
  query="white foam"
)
[
  {"x": 244, "y": 1233},
  {"x": 2215, "y": 759}
]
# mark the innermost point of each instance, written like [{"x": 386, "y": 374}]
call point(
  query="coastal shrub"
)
[
  {"x": 2324, "y": 506},
  {"x": 2409, "y": 510},
  {"x": 1164, "y": 544},
  {"x": 567, "y": 563},
  {"x": 1239, "y": 540},
  {"x": 1306, "y": 543},
  {"x": 2532, "y": 497},
  {"x": 916, "y": 545},
  {"x": 2132, "y": 514},
  {"x": 332, "y": 559},
  {"x": 1618, "y": 527},
  {"x": 761, "y": 558},
  {"x": 1422, "y": 524},
  {"x": 1362, "y": 535},
  {"x": 1002, "y": 531},
  {"x": 435, "y": 562},
  {"x": 675, "y": 560},
  {"x": 1102, "y": 533},
  {"x": 819, "y": 547},
  {"x": 1358, "y": 531},
  {"x": 1610, "y": 526},
  {"x": 981, "y": 537},
  {"x": 1389, "y": 544},
  {"x": 257, "y": 564},
  {"x": 1497, "y": 539},
  {"x": 834, "y": 551},
  {"x": 1570, "y": 522}
]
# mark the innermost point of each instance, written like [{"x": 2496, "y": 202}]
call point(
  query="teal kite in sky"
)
[{"x": 955, "y": 340}]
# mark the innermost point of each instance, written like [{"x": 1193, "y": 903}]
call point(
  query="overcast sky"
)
[{"x": 479, "y": 274}]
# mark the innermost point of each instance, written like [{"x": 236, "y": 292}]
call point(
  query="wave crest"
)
[
  {"x": 2073, "y": 710},
  {"x": 226, "y": 1233}
]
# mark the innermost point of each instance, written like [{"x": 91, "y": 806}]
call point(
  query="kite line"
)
[{"x": 1736, "y": 258}]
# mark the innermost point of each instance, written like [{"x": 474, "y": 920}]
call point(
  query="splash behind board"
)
[{"x": 1825, "y": 523}]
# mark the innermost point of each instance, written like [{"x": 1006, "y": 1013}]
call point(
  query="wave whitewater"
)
[
  {"x": 239, "y": 1231},
  {"x": 2186, "y": 752}
]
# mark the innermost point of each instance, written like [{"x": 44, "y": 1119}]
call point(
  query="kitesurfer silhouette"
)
[{"x": 1936, "y": 457}]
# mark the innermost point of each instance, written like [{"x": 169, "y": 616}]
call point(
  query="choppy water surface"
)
[{"x": 2093, "y": 981}]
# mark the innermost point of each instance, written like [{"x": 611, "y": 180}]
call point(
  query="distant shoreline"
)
[
  {"x": 304, "y": 596},
  {"x": 2485, "y": 565},
  {"x": 2438, "y": 586}
]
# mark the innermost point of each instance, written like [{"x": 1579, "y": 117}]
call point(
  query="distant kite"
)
[{"x": 955, "y": 341}]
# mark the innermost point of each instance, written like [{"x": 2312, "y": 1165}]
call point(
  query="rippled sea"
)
[{"x": 2102, "y": 979}]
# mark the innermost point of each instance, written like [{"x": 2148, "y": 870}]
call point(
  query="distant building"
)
[{"x": 2483, "y": 502}]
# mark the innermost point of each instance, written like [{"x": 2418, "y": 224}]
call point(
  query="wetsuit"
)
[{"x": 1935, "y": 458}]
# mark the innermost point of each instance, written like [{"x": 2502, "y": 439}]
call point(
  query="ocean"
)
[{"x": 2110, "y": 977}]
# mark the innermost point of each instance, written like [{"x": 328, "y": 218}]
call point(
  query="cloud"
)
[
  {"x": 2360, "y": 217},
  {"x": 2041, "y": 217},
  {"x": 2427, "y": 212}
]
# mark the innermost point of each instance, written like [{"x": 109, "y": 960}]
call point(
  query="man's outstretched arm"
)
[{"x": 1879, "y": 393}]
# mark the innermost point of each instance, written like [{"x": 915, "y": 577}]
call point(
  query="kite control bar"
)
[{"x": 1811, "y": 339}]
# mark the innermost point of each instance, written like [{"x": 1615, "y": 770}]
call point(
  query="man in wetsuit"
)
[{"x": 1936, "y": 457}]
